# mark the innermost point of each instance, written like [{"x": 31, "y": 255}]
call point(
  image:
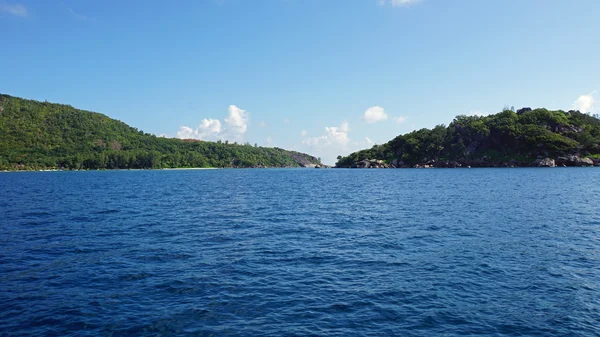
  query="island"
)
[
  {"x": 522, "y": 138},
  {"x": 47, "y": 136}
]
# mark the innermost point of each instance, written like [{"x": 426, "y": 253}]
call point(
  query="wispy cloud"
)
[
  {"x": 80, "y": 16},
  {"x": 13, "y": 9},
  {"x": 398, "y": 3},
  {"x": 585, "y": 103},
  {"x": 400, "y": 120}
]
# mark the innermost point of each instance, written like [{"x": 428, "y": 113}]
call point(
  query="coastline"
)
[
  {"x": 158, "y": 169},
  {"x": 346, "y": 168},
  {"x": 561, "y": 161}
]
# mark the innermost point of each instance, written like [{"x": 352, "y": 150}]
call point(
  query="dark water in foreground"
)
[{"x": 498, "y": 252}]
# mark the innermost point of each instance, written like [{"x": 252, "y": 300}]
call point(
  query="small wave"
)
[
  {"x": 107, "y": 211},
  {"x": 135, "y": 277}
]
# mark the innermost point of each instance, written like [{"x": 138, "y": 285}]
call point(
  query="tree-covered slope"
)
[
  {"x": 507, "y": 138},
  {"x": 42, "y": 135}
]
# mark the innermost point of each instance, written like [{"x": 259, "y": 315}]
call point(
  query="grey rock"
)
[
  {"x": 547, "y": 162},
  {"x": 585, "y": 162},
  {"x": 523, "y": 110},
  {"x": 363, "y": 164}
]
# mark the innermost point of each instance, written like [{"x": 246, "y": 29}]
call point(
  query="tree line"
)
[
  {"x": 521, "y": 135},
  {"x": 41, "y": 135}
]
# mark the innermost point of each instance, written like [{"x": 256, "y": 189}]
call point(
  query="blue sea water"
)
[{"x": 286, "y": 252}]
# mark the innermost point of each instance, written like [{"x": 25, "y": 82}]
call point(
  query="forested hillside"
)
[
  {"x": 508, "y": 138},
  {"x": 42, "y": 135}
]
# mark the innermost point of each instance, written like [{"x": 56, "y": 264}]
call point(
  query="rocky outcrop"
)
[
  {"x": 546, "y": 162},
  {"x": 364, "y": 164},
  {"x": 449, "y": 164},
  {"x": 568, "y": 128},
  {"x": 585, "y": 162},
  {"x": 372, "y": 163},
  {"x": 574, "y": 160}
]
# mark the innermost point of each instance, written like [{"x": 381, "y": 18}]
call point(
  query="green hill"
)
[
  {"x": 42, "y": 135},
  {"x": 523, "y": 138}
]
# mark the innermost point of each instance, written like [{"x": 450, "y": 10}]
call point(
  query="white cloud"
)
[
  {"x": 398, "y": 3},
  {"x": 585, "y": 103},
  {"x": 374, "y": 114},
  {"x": 237, "y": 122},
  {"x": 303, "y": 133},
  {"x": 286, "y": 121},
  {"x": 334, "y": 141},
  {"x": 236, "y": 125},
  {"x": 334, "y": 135},
  {"x": 262, "y": 124},
  {"x": 209, "y": 127},
  {"x": 269, "y": 140},
  {"x": 316, "y": 141},
  {"x": 339, "y": 134},
  {"x": 478, "y": 113},
  {"x": 399, "y": 120},
  {"x": 344, "y": 127},
  {"x": 13, "y": 9},
  {"x": 185, "y": 132}
]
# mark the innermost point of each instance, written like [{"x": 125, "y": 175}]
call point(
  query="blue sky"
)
[{"x": 325, "y": 77}]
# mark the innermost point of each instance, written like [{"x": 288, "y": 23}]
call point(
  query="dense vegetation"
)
[
  {"x": 518, "y": 137},
  {"x": 42, "y": 135}
]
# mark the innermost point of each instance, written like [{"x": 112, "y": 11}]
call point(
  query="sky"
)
[{"x": 325, "y": 77}]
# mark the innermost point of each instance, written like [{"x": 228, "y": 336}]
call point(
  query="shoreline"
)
[
  {"x": 185, "y": 168},
  {"x": 161, "y": 169},
  {"x": 484, "y": 162},
  {"x": 337, "y": 168}
]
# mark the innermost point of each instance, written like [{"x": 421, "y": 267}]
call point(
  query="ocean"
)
[{"x": 301, "y": 252}]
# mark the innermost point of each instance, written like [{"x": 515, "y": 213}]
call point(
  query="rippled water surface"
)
[{"x": 498, "y": 252}]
